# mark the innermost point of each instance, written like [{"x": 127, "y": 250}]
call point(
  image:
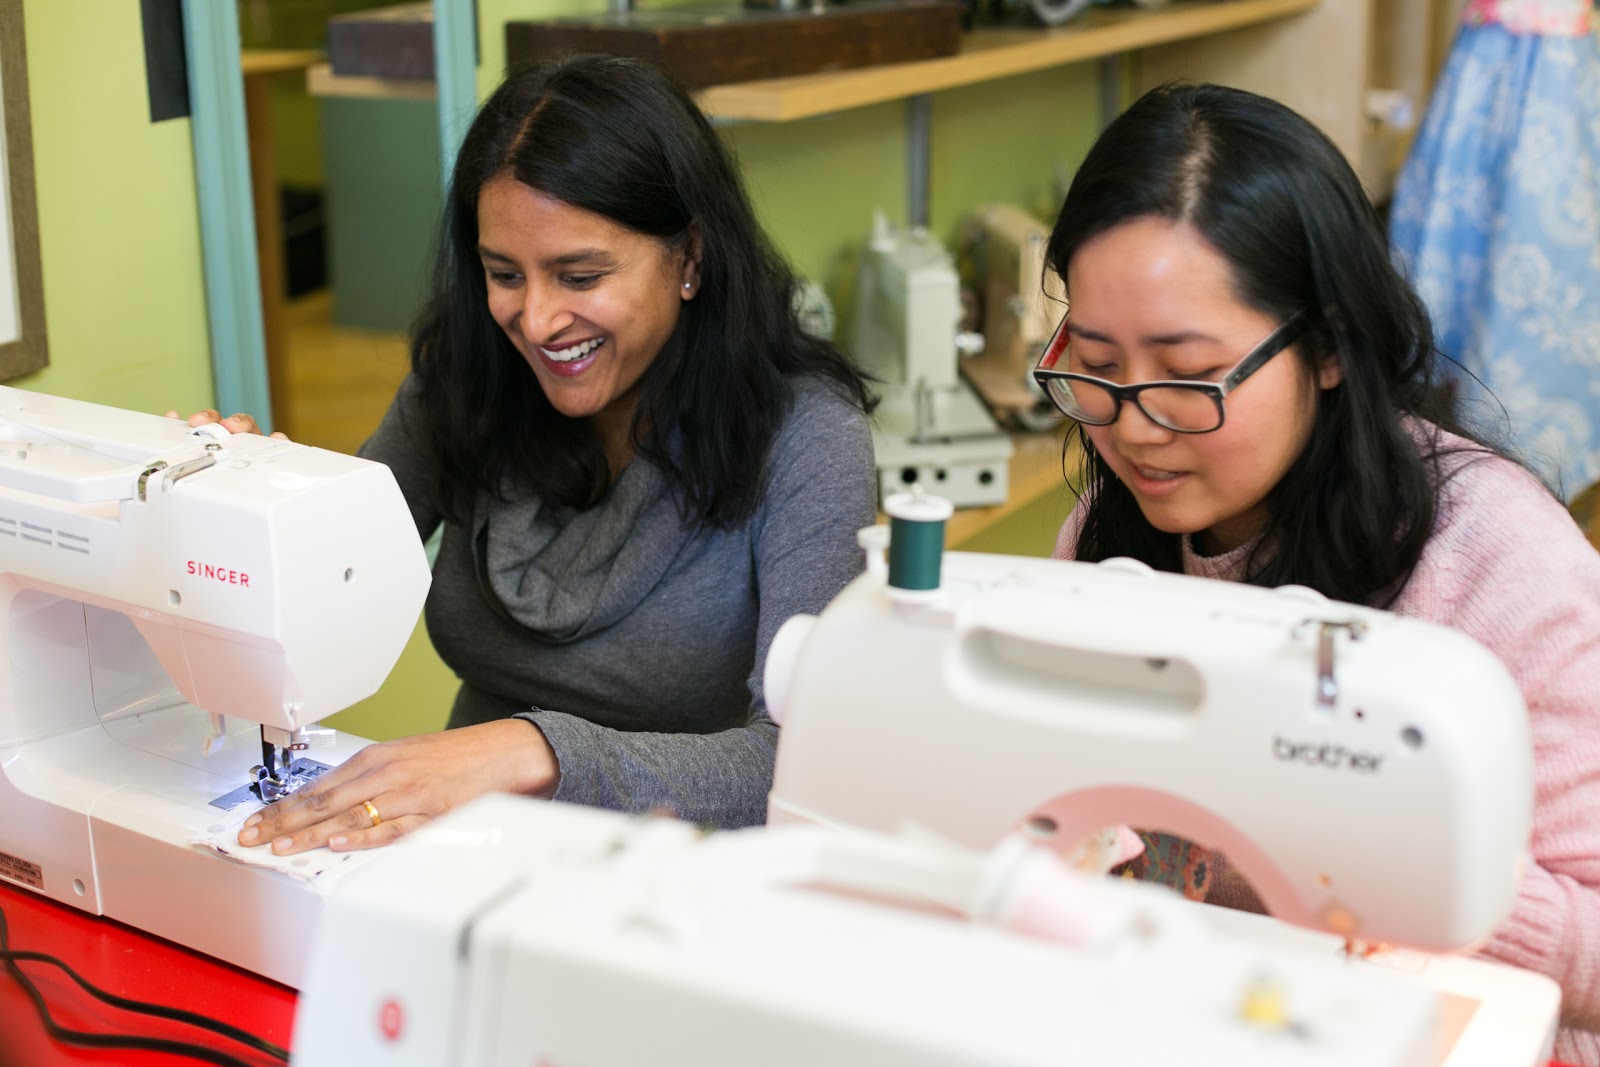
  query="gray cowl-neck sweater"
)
[{"x": 633, "y": 640}]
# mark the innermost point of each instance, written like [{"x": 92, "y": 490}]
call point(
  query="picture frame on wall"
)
[{"x": 22, "y": 328}]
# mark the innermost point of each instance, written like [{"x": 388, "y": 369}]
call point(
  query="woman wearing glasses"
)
[{"x": 1254, "y": 387}]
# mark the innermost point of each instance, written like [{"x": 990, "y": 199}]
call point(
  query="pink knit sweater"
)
[{"x": 1507, "y": 566}]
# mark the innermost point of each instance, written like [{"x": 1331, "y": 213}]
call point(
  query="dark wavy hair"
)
[
  {"x": 1277, "y": 199},
  {"x": 620, "y": 138}
]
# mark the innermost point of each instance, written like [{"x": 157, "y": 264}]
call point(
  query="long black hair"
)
[
  {"x": 620, "y": 138},
  {"x": 1277, "y": 199}
]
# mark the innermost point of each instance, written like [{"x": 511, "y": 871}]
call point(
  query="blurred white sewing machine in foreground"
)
[
  {"x": 930, "y": 428},
  {"x": 514, "y": 932},
  {"x": 148, "y": 572}
]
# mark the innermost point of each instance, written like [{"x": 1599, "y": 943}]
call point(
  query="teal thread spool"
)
[{"x": 916, "y": 540}]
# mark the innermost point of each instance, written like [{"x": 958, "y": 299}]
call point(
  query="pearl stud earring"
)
[{"x": 688, "y": 285}]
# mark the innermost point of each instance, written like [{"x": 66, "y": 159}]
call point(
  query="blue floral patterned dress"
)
[{"x": 1496, "y": 218}]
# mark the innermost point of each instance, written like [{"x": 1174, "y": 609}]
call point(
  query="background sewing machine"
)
[
  {"x": 930, "y": 428},
  {"x": 513, "y": 931},
  {"x": 1001, "y": 251},
  {"x": 178, "y": 610}
]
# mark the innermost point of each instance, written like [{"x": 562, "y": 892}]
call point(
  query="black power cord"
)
[{"x": 88, "y": 1039}]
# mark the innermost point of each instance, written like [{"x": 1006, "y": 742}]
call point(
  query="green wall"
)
[{"x": 119, "y": 235}]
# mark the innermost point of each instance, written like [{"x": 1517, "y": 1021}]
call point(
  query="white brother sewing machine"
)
[
  {"x": 1371, "y": 775},
  {"x": 1021, "y": 305},
  {"x": 514, "y": 932},
  {"x": 930, "y": 428},
  {"x": 178, "y": 609}
]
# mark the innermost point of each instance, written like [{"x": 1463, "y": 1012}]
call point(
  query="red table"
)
[{"x": 132, "y": 964}]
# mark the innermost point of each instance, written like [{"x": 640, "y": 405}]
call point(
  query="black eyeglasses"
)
[{"x": 1184, "y": 407}]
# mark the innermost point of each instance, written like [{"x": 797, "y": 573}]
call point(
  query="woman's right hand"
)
[
  {"x": 390, "y": 788},
  {"x": 236, "y": 423}
]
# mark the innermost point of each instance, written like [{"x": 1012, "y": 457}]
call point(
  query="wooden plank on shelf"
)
[
  {"x": 991, "y": 53},
  {"x": 720, "y": 44},
  {"x": 261, "y": 61},
  {"x": 321, "y": 81}
]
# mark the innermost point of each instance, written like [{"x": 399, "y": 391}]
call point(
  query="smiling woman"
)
[
  {"x": 588, "y": 303},
  {"x": 22, "y": 335},
  {"x": 641, "y": 467}
]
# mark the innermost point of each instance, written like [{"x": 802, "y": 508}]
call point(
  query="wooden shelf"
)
[
  {"x": 322, "y": 81},
  {"x": 259, "y": 61},
  {"x": 987, "y": 54}
]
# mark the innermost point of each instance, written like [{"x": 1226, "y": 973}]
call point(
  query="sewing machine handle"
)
[
  {"x": 63, "y": 472},
  {"x": 48, "y": 448},
  {"x": 1013, "y": 651}
]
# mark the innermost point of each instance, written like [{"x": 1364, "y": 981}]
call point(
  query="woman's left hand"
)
[{"x": 389, "y": 789}]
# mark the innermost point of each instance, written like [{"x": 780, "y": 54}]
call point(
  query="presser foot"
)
[
  {"x": 266, "y": 790},
  {"x": 274, "y": 775},
  {"x": 269, "y": 788}
]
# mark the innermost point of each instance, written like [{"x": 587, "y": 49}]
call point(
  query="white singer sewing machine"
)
[
  {"x": 930, "y": 428},
  {"x": 514, "y": 932},
  {"x": 178, "y": 610},
  {"x": 1021, "y": 302}
]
